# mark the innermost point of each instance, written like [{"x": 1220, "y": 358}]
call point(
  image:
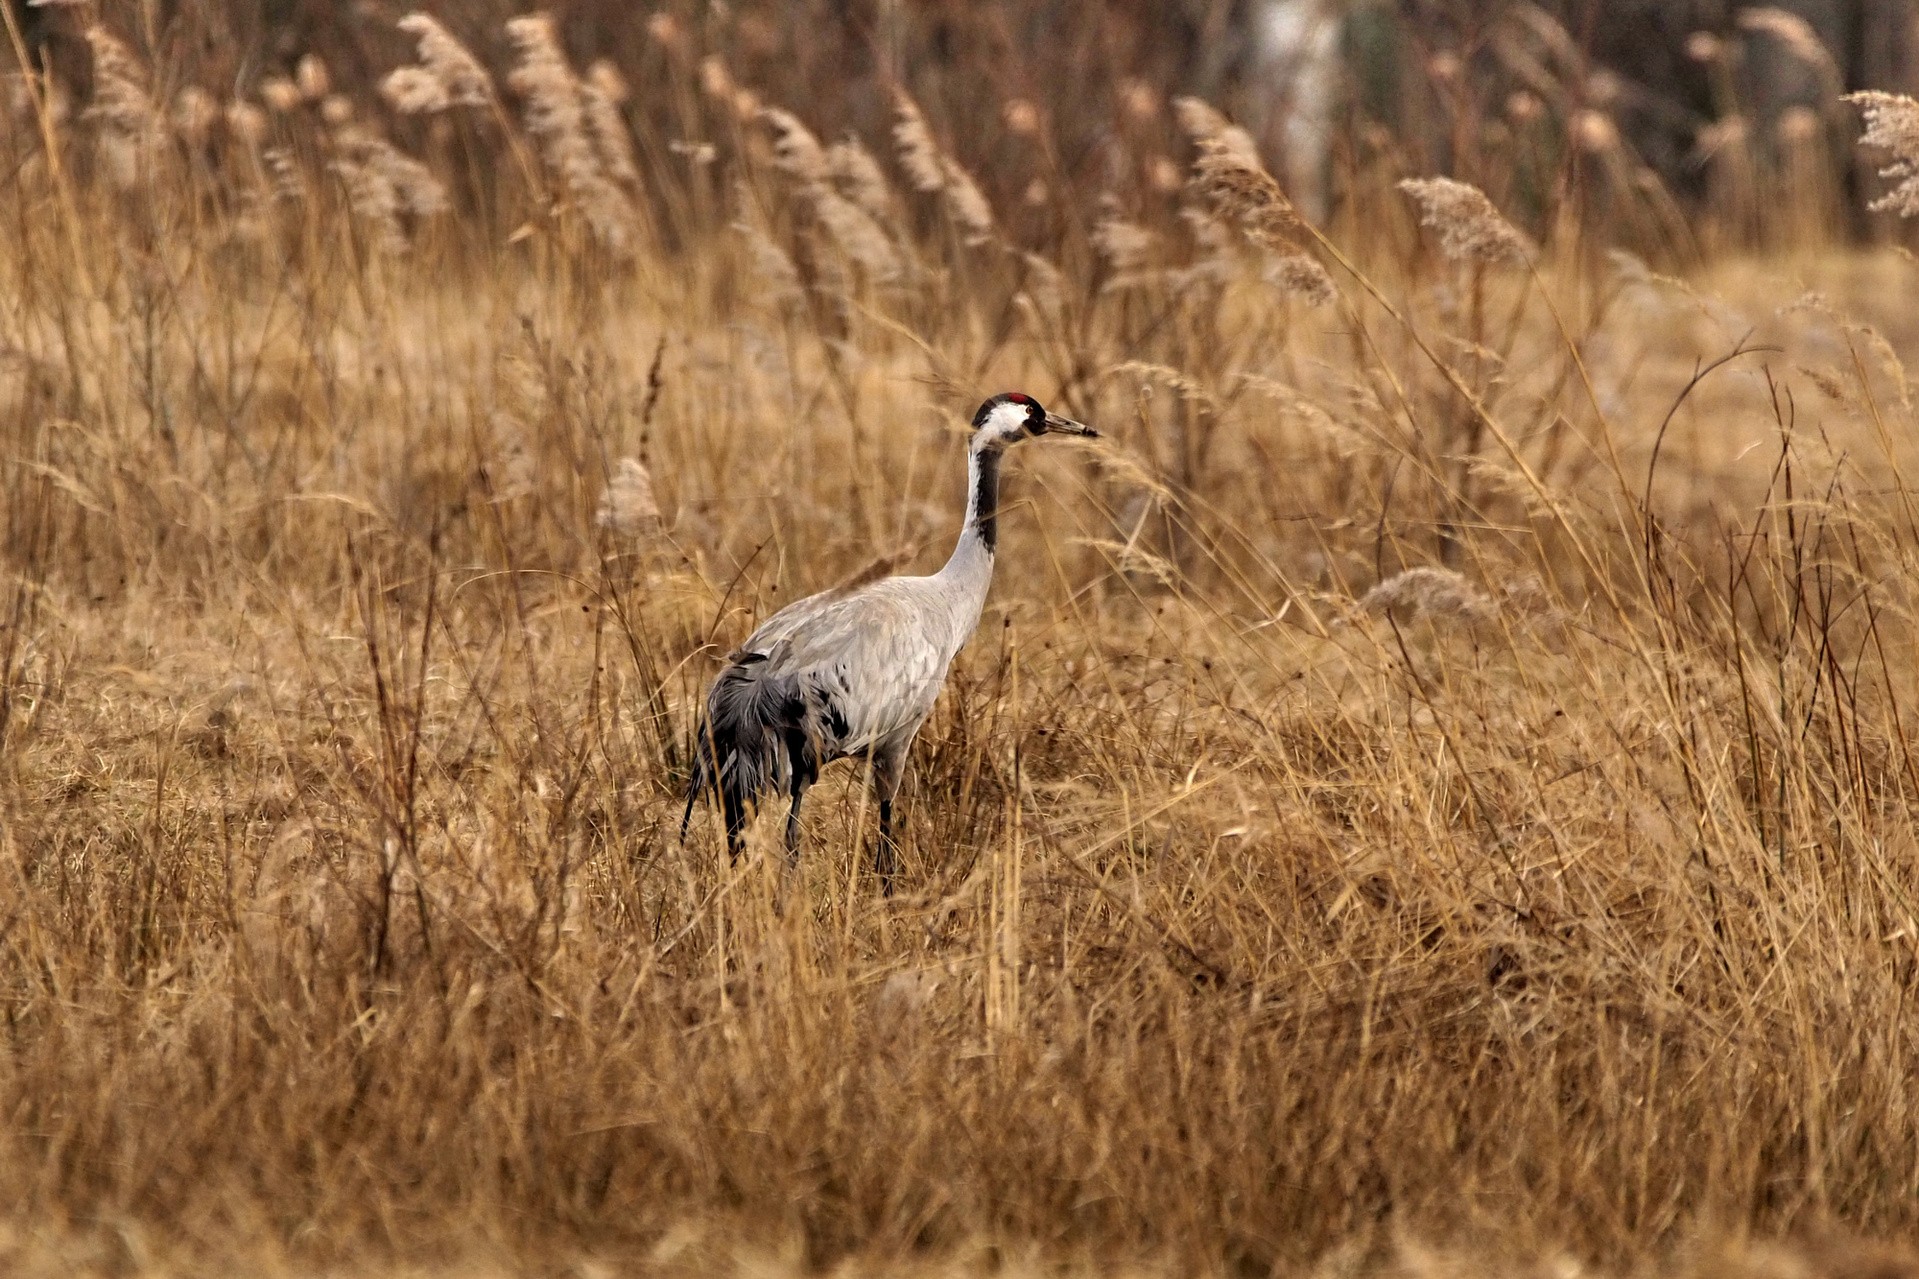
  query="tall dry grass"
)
[{"x": 1433, "y": 794}]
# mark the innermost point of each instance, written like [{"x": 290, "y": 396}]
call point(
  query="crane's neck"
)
[{"x": 969, "y": 571}]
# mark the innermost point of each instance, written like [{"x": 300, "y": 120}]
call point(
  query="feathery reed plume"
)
[
  {"x": 283, "y": 174},
  {"x": 414, "y": 91},
  {"x": 1126, "y": 246},
  {"x": 772, "y": 265},
  {"x": 572, "y": 142},
  {"x": 457, "y": 75},
  {"x": 606, "y": 77},
  {"x": 1022, "y": 118},
  {"x": 858, "y": 236},
  {"x": 1207, "y": 127},
  {"x": 1216, "y": 244},
  {"x": 1163, "y": 175},
  {"x": 856, "y": 233},
  {"x": 1186, "y": 387},
  {"x": 628, "y": 508},
  {"x": 311, "y": 78},
  {"x": 921, "y": 156},
  {"x": 1892, "y": 125},
  {"x": 1229, "y": 175},
  {"x": 601, "y": 94},
  {"x": 513, "y": 471},
  {"x": 130, "y": 126},
  {"x": 1139, "y": 99},
  {"x": 1470, "y": 228},
  {"x": 1594, "y": 132},
  {"x": 796, "y": 150},
  {"x": 1797, "y": 125},
  {"x": 1248, "y": 195},
  {"x": 1213, "y": 237},
  {"x": 934, "y": 171},
  {"x": 193, "y": 113},
  {"x": 716, "y": 82},
  {"x": 857, "y": 176},
  {"x": 280, "y": 94},
  {"x": 665, "y": 29},
  {"x": 1436, "y": 593},
  {"x": 1298, "y": 275},
  {"x": 383, "y": 186},
  {"x": 1044, "y": 285}
]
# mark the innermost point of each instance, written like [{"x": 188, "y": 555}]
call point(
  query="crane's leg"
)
[
  {"x": 889, "y": 766},
  {"x": 886, "y": 854},
  {"x": 793, "y": 820},
  {"x": 734, "y": 808}
]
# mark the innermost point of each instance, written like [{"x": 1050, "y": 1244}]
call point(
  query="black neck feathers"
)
[{"x": 983, "y": 501}]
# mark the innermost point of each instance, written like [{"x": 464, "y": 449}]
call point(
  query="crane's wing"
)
[
  {"x": 876, "y": 657},
  {"x": 827, "y": 676}
]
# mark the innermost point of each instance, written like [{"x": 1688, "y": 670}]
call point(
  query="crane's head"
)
[{"x": 1009, "y": 418}]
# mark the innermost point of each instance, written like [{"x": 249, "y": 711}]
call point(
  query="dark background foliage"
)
[{"x": 1433, "y": 84}]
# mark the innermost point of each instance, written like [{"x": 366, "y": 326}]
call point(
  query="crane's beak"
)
[{"x": 1057, "y": 425}]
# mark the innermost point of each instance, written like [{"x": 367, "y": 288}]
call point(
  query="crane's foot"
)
[{"x": 886, "y": 853}]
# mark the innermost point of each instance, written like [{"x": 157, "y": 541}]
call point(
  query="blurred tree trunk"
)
[{"x": 1883, "y": 54}]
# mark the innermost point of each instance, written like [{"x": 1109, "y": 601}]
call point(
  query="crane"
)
[{"x": 855, "y": 672}]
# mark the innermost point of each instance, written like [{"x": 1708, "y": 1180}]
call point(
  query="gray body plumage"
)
[{"x": 855, "y": 672}]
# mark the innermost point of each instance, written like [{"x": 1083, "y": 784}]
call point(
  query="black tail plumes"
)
[{"x": 762, "y": 733}]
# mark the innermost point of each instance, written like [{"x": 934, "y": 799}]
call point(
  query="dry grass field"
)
[{"x": 1433, "y": 792}]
